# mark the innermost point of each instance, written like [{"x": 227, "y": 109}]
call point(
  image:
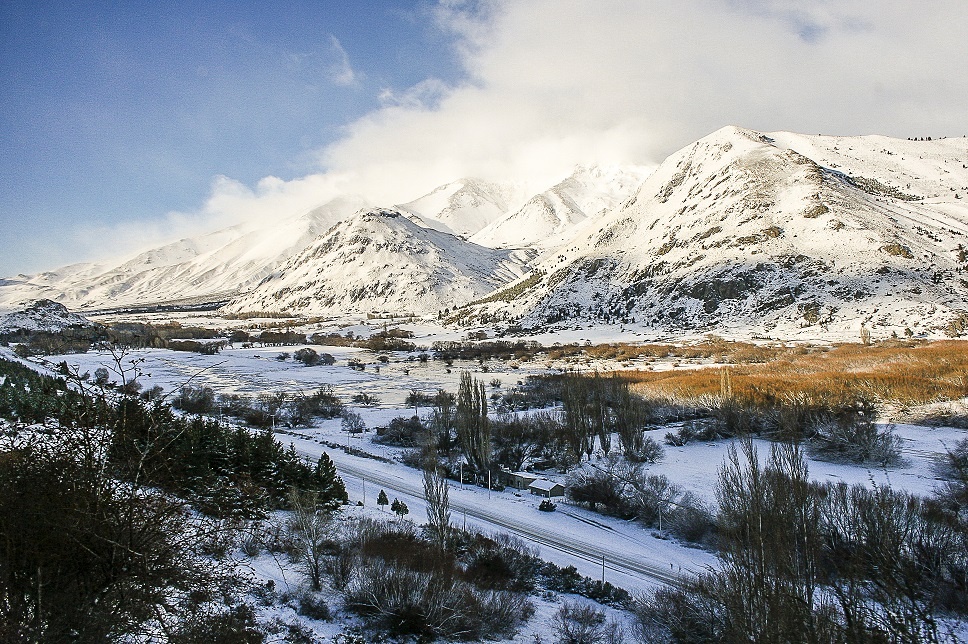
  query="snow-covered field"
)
[{"x": 253, "y": 371}]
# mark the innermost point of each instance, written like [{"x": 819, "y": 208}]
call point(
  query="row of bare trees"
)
[{"x": 811, "y": 562}]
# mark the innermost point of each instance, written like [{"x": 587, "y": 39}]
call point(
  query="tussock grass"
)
[{"x": 900, "y": 374}]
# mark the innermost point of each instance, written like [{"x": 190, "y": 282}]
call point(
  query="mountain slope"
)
[
  {"x": 751, "y": 231},
  {"x": 546, "y": 217},
  {"x": 214, "y": 266},
  {"x": 465, "y": 206},
  {"x": 380, "y": 260},
  {"x": 42, "y": 315}
]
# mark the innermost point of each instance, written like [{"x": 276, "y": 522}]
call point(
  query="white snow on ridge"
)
[
  {"x": 42, "y": 315},
  {"x": 740, "y": 230},
  {"x": 466, "y": 206},
  {"x": 380, "y": 260},
  {"x": 215, "y": 266},
  {"x": 543, "y": 221}
]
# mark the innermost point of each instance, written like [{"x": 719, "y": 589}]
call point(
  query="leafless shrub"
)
[{"x": 582, "y": 624}]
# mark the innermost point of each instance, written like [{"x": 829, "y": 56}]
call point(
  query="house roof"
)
[{"x": 544, "y": 485}]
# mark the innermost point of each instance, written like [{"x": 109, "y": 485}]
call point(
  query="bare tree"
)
[
  {"x": 435, "y": 493},
  {"x": 310, "y": 527}
]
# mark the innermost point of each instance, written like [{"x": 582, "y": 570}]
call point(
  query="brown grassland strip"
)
[{"x": 905, "y": 375}]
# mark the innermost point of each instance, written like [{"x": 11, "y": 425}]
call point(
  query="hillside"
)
[
  {"x": 549, "y": 216},
  {"x": 215, "y": 266},
  {"x": 742, "y": 230},
  {"x": 42, "y": 315},
  {"x": 466, "y": 206},
  {"x": 380, "y": 260}
]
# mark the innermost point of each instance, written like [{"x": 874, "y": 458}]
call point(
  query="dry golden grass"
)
[
  {"x": 713, "y": 348},
  {"x": 906, "y": 375}
]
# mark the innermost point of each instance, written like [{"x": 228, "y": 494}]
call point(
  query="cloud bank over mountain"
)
[{"x": 549, "y": 84}]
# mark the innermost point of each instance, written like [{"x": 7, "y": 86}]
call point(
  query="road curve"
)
[{"x": 616, "y": 559}]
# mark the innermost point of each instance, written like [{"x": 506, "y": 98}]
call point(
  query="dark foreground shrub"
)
[{"x": 433, "y": 604}]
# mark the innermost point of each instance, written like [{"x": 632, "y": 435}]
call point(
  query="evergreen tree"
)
[
  {"x": 382, "y": 499},
  {"x": 332, "y": 491},
  {"x": 399, "y": 508}
]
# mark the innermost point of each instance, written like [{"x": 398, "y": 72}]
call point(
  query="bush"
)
[
  {"x": 850, "y": 434},
  {"x": 365, "y": 399},
  {"x": 401, "y": 431},
  {"x": 582, "y": 624},
  {"x": 598, "y": 488},
  {"x": 547, "y": 506},
  {"x": 313, "y": 606},
  {"x": 434, "y": 603},
  {"x": 307, "y": 356},
  {"x": 649, "y": 452},
  {"x": 569, "y": 580},
  {"x": 195, "y": 400},
  {"x": 237, "y": 625},
  {"x": 500, "y": 562}
]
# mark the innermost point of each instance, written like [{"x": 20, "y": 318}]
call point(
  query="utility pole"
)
[
  {"x": 489, "y": 484},
  {"x": 363, "y": 478},
  {"x": 462, "y": 475},
  {"x": 603, "y": 568}
]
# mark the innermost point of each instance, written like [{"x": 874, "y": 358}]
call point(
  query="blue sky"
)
[
  {"x": 126, "y": 124},
  {"x": 128, "y": 110}
]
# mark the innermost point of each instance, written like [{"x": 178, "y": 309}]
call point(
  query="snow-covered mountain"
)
[
  {"x": 215, "y": 266},
  {"x": 380, "y": 260},
  {"x": 548, "y": 216},
  {"x": 739, "y": 230},
  {"x": 42, "y": 315},
  {"x": 752, "y": 231},
  {"x": 465, "y": 206},
  {"x": 225, "y": 264}
]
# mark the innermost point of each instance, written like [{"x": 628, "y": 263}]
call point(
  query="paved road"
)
[
  {"x": 623, "y": 554},
  {"x": 615, "y": 559}
]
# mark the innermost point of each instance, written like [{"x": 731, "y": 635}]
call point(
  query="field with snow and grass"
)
[
  {"x": 632, "y": 334},
  {"x": 656, "y": 529}
]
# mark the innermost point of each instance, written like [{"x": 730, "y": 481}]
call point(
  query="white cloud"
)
[
  {"x": 229, "y": 203},
  {"x": 340, "y": 72},
  {"x": 553, "y": 83}
]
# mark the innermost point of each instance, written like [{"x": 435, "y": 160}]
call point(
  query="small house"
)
[
  {"x": 518, "y": 480},
  {"x": 546, "y": 488}
]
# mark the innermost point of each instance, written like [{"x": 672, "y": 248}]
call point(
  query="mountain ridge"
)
[
  {"x": 758, "y": 231},
  {"x": 737, "y": 230}
]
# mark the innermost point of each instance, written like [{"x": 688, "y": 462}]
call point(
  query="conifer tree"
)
[
  {"x": 382, "y": 499},
  {"x": 399, "y": 508},
  {"x": 332, "y": 491}
]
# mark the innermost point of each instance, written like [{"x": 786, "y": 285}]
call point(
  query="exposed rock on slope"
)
[
  {"x": 43, "y": 315},
  {"x": 752, "y": 231},
  {"x": 380, "y": 260}
]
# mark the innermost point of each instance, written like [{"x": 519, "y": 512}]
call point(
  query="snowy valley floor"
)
[{"x": 635, "y": 558}]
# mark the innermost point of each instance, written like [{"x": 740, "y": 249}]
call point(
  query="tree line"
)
[{"x": 112, "y": 507}]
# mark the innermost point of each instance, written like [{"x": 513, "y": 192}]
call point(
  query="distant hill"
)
[
  {"x": 43, "y": 315},
  {"x": 740, "y": 231},
  {"x": 380, "y": 260}
]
